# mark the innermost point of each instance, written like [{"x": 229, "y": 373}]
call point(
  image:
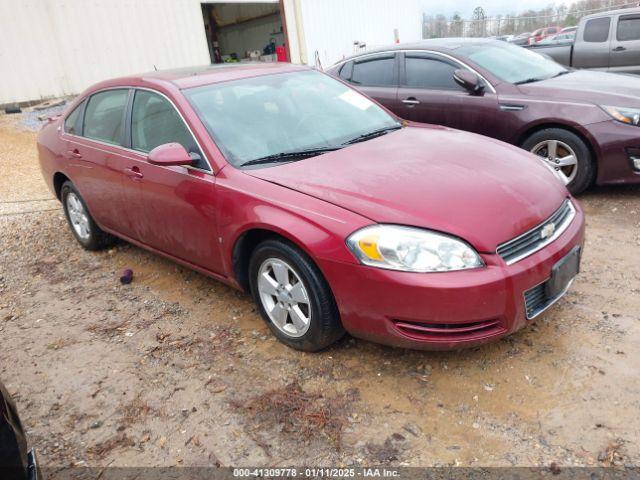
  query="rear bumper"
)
[
  {"x": 613, "y": 141},
  {"x": 442, "y": 311}
]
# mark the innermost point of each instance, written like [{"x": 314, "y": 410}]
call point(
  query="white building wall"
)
[
  {"x": 51, "y": 48},
  {"x": 58, "y": 47},
  {"x": 332, "y": 26}
]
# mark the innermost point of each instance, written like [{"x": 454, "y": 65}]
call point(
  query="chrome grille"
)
[{"x": 538, "y": 237}]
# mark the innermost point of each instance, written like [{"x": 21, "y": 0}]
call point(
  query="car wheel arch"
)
[
  {"x": 589, "y": 142},
  {"x": 58, "y": 180},
  {"x": 563, "y": 126},
  {"x": 248, "y": 240}
]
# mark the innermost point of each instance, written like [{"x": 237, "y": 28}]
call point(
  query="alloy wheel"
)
[
  {"x": 559, "y": 156},
  {"x": 284, "y": 297},
  {"x": 78, "y": 216}
]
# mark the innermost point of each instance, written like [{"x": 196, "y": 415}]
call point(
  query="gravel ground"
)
[{"x": 178, "y": 369}]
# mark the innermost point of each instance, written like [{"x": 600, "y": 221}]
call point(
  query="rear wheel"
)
[
  {"x": 293, "y": 297},
  {"x": 567, "y": 154},
  {"x": 83, "y": 227}
]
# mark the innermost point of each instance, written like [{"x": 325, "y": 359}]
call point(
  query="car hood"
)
[
  {"x": 476, "y": 188},
  {"x": 601, "y": 88}
]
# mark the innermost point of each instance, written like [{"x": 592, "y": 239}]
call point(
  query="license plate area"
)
[{"x": 563, "y": 272}]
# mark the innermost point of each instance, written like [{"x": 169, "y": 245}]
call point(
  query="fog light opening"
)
[{"x": 634, "y": 157}]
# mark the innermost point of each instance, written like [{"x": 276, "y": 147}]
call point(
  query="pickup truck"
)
[{"x": 607, "y": 41}]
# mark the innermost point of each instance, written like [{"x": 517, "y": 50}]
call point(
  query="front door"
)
[
  {"x": 426, "y": 85},
  {"x": 429, "y": 94},
  {"x": 175, "y": 211},
  {"x": 479, "y": 114}
]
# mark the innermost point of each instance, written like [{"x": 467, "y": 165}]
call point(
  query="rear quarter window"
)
[
  {"x": 597, "y": 30},
  {"x": 345, "y": 71},
  {"x": 71, "y": 121}
]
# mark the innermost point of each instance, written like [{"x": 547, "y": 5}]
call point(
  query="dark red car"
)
[
  {"x": 543, "y": 33},
  {"x": 335, "y": 215},
  {"x": 582, "y": 123}
]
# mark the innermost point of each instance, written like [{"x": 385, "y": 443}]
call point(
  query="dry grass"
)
[
  {"x": 135, "y": 411},
  {"x": 103, "y": 448},
  {"x": 295, "y": 412}
]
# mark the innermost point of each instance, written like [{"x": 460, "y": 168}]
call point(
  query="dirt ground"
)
[{"x": 178, "y": 369}]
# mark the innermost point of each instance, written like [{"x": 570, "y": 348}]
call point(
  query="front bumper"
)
[
  {"x": 613, "y": 142},
  {"x": 443, "y": 311}
]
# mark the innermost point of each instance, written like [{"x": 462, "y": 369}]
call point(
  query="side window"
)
[
  {"x": 103, "y": 116},
  {"x": 628, "y": 28},
  {"x": 430, "y": 73},
  {"x": 376, "y": 71},
  {"x": 154, "y": 122},
  {"x": 597, "y": 30},
  {"x": 72, "y": 119},
  {"x": 345, "y": 71}
]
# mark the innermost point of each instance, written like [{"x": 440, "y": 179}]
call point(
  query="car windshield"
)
[
  {"x": 511, "y": 63},
  {"x": 271, "y": 117}
]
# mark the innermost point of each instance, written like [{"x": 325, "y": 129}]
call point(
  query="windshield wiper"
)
[
  {"x": 529, "y": 80},
  {"x": 289, "y": 156},
  {"x": 373, "y": 134}
]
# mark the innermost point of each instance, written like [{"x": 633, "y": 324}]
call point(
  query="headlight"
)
[
  {"x": 411, "y": 249},
  {"x": 630, "y": 116}
]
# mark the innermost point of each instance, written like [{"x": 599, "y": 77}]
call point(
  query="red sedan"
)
[{"x": 333, "y": 213}]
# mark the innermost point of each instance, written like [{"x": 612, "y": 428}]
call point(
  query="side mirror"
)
[
  {"x": 170, "y": 154},
  {"x": 469, "y": 81}
]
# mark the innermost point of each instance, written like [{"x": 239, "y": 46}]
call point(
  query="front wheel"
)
[
  {"x": 567, "y": 154},
  {"x": 293, "y": 297}
]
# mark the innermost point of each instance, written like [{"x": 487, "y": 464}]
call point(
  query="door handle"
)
[
  {"x": 75, "y": 153},
  {"x": 411, "y": 101},
  {"x": 133, "y": 173},
  {"x": 619, "y": 49}
]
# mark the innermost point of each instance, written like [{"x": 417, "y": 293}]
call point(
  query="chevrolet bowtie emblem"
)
[{"x": 548, "y": 230}]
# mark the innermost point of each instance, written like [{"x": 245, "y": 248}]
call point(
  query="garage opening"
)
[{"x": 245, "y": 32}]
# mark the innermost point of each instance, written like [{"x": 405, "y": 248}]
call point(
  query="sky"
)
[{"x": 491, "y": 7}]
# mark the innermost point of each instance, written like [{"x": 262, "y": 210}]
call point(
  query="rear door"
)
[
  {"x": 175, "y": 207},
  {"x": 592, "y": 46},
  {"x": 625, "y": 45},
  {"x": 94, "y": 136},
  {"x": 376, "y": 76}
]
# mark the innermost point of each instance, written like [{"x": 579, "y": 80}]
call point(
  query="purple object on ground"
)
[{"x": 127, "y": 276}]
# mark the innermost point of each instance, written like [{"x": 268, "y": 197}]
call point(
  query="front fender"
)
[{"x": 248, "y": 204}]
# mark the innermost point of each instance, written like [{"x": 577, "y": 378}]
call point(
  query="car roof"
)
[
  {"x": 443, "y": 45},
  {"x": 620, "y": 11},
  {"x": 189, "y": 77}
]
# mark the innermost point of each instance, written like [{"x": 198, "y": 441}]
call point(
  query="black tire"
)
[
  {"x": 97, "y": 239},
  {"x": 586, "y": 166},
  {"x": 325, "y": 327}
]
